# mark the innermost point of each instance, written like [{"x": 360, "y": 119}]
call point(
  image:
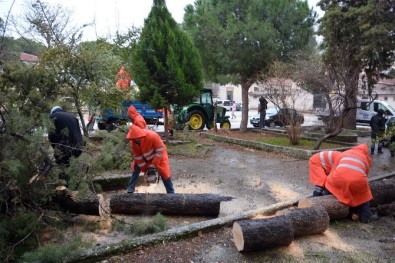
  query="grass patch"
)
[
  {"x": 303, "y": 143},
  {"x": 158, "y": 223},
  {"x": 54, "y": 252}
]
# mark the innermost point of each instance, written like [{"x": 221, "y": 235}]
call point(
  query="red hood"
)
[
  {"x": 136, "y": 132},
  {"x": 132, "y": 112}
]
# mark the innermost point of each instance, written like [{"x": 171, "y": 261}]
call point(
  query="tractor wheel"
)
[
  {"x": 196, "y": 120},
  {"x": 225, "y": 125}
]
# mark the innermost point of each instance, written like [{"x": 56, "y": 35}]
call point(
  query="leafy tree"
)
[
  {"x": 358, "y": 35},
  {"x": 166, "y": 65},
  {"x": 47, "y": 22},
  {"x": 282, "y": 95},
  {"x": 239, "y": 39}
]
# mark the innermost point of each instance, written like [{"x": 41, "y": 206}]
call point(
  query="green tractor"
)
[{"x": 201, "y": 113}]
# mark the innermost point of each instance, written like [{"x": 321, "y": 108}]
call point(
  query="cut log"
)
[
  {"x": 170, "y": 204},
  {"x": 307, "y": 221},
  {"x": 333, "y": 207},
  {"x": 258, "y": 234},
  {"x": 72, "y": 202},
  {"x": 383, "y": 191}
]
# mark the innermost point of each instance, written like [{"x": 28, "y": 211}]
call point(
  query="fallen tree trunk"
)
[
  {"x": 258, "y": 234},
  {"x": 74, "y": 203},
  {"x": 170, "y": 204},
  {"x": 383, "y": 191},
  {"x": 333, "y": 207},
  {"x": 176, "y": 233},
  {"x": 307, "y": 221}
]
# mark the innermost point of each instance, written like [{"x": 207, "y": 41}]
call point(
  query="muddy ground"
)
[{"x": 258, "y": 179}]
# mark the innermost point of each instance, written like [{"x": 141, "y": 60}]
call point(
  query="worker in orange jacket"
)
[
  {"x": 320, "y": 166},
  {"x": 138, "y": 120},
  {"x": 149, "y": 151},
  {"x": 348, "y": 181}
]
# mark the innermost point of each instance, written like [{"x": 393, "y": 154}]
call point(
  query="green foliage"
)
[
  {"x": 241, "y": 38},
  {"x": 17, "y": 228},
  {"x": 166, "y": 65},
  {"x": 149, "y": 226},
  {"x": 54, "y": 252}
]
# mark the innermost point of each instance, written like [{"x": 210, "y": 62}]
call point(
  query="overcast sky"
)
[{"x": 109, "y": 15}]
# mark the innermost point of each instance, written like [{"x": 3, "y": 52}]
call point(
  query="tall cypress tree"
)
[{"x": 166, "y": 66}]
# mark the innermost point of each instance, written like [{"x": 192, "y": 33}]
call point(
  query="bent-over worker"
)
[
  {"x": 138, "y": 120},
  {"x": 149, "y": 151}
]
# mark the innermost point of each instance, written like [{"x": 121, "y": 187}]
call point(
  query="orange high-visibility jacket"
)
[
  {"x": 349, "y": 180},
  {"x": 321, "y": 164},
  {"x": 150, "y": 151},
  {"x": 137, "y": 118}
]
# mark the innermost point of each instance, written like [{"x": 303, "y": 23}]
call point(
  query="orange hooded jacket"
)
[
  {"x": 348, "y": 181},
  {"x": 137, "y": 118},
  {"x": 149, "y": 151},
  {"x": 321, "y": 164}
]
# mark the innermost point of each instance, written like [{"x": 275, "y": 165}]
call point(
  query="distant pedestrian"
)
[
  {"x": 262, "y": 111},
  {"x": 377, "y": 125},
  {"x": 233, "y": 108}
]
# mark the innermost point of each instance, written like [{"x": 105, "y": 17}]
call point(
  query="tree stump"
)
[
  {"x": 383, "y": 191},
  {"x": 170, "y": 204},
  {"x": 333, "y": 207},
  {"x": 307, "y": 221},
  {"x": 258, "y": 234}
]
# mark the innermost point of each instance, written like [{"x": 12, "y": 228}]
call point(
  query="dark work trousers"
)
[{"x": 262, "y": 115}]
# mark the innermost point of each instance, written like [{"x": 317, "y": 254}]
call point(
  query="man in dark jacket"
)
[
  {"x": 262, "y": 111},
  {"x": 377, "y": 124},
  {"x": 65, "y": 137}
]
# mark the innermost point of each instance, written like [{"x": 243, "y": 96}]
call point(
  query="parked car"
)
[
  {"x": 269, "y": 112},
  {"x": 278, "y": 117}
]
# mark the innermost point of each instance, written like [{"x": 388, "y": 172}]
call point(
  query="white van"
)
[
  {"x": 224, "y": 103},
  {"x": 365, "y": 111}
]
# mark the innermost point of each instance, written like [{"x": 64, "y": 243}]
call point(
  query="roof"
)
[{"x": 24, "y": 57}]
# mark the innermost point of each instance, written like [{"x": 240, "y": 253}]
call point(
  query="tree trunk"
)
[
  {"x": 255, "y": 235},
  {"x": 333, "y": 207},
  {"x": 383, "y": 191},
  {"x": 72, "y": 202},
  {"x": 171, "y": 204},
  {"x": 307, "y": 221}
]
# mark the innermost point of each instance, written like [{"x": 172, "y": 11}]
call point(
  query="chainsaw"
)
[{"x": 151, "y": 175}]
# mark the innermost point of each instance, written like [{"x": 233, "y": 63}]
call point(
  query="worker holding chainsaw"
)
[
  {"x": 345, "y": 175},
  {"x": 150, "y": 154},
  {"x": 138, "y": 120}
]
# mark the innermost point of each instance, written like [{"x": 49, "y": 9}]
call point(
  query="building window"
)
[
  {"x": 385, "y": 98},
  {"x": 256, "y": 89}
]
